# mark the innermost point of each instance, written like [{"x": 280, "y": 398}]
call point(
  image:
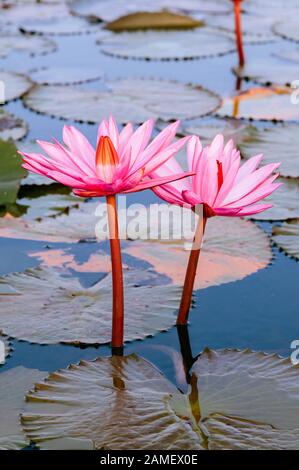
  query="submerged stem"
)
[
  {"x": 238, "y": 29},
  {"x": 191, "y": 272},
  {"x": 117, "y": 278}
]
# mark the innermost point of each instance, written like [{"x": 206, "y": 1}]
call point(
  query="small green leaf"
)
[{"x": 11, "y": 172}]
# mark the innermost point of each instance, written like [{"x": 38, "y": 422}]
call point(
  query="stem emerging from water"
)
[
  {"x": 117, "y": 277},
  {"x": 238, "y": 29},
  {"x": 182, "y": 318}
]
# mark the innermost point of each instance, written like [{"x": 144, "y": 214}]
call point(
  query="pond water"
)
[{"x": 259, "y": 312}]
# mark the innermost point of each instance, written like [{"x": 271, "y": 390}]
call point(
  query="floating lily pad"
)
[
  {"x": 275, "y": 9},
  {"x": 230, "y": 129},
  {"x": 112, "y": 403},
  {"x": 252, "y": 25},
  {"x": 153, "y": 20},
  {"x": 284, "y": 200},
  {"x": 64, "y": 75},
  {"x": 167, "y": 45},
  {"x": 14, "y": 85},
  {"x": 58, "y": 26},
  {"x": 127, "y": 99},
  {"x": 110, "y": 10},
  {"x": 26, "y": 44},
  {"x": 11, "y": 127},
  {"x": 232, "y": 250},
  {"x": 237, "y": 434},
  {"x": 288, "y": 29},
  {"x": 11, "y": 172},
  {"x": 255, "y": 392},
  {"x": 14, "y": 383},
  {"x": 18, "y": 12},
  {"x": 277, "y": 143},
  {"x": 130, "y": 401},
  {"x": 286, "y": 236},
  {"x": 269, "y": 71},
  {"x": 264, "y": 104},
  {"x": 35, "y": 315}
]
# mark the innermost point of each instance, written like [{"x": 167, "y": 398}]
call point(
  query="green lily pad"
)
[
  {"x": 64, "y": 75},
  {"x": 12, "y": 86},
  {"x": 11, "y": 127},
  {"x": 287, "y": 29},
  {"x": 262, "y": 104},
  {"x": 153, "y": 20},
  {"x": 14, "y": 383},
  {"x": 35, "y": 315},
  {"x": 124, "y": 402},
  {"x": 10, "y": 43},
  {"x": 167, "y": 45},
  {"x": 276, "y": 143},
  {"x": 286, "y": 236},
  {"x": 11, "y": 172},
  {"x": 127, "y": 99}
]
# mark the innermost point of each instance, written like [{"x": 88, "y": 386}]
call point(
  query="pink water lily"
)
[
  {"x": 122, "y": 162},
  {"x": 220, "y": 183},
  {"x": 222, "y": 186}
]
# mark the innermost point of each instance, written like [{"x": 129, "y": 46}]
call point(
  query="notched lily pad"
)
[
  {"x": 12, "y": 86},
  {"x": 14, "y": 383},
  {"x": 244, "y": 394},
  {"x": 112, "y": 403},
  {"x": 35, "y": 315},
  {"x": 64, "y": 75},
  {"x": 286, "y": 236},
  {"x": 167, "y": 45},
  {"x": 276, "y": 143},
  {"x": 153, "y": 20},
  {"x": 117, "y": 403},
  {"x": 284, "y": 200},
  {"x": 127, "y": 99},
  {"x": 11, "y": 127},
  {"x": 25, "y": 44},
  {"x": 264, "y": 104}
]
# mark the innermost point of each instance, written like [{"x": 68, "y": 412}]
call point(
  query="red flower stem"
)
[
  {"x": 182, "y": 318},
  {"x": 238, "y": 29},
  {"x": 117, "y": 276}
]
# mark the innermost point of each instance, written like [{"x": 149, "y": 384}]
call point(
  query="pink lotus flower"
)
[
  {"x": 220, "y": 183},
  {"x": 121, "y": 163},
  {"x": 222, "y": 186}
]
